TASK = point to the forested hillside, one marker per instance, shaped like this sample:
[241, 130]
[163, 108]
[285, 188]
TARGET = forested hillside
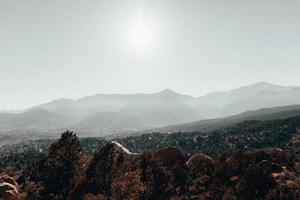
[248, 135]
[280, 112]
[252, 160]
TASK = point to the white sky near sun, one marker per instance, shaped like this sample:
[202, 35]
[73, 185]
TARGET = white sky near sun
[74, 48]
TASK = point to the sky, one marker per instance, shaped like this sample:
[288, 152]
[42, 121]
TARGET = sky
[74, 48]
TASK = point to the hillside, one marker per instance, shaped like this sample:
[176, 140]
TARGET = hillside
[214, 124]
[247, 135]
[39, 118]
[31, 125]
[220, 164]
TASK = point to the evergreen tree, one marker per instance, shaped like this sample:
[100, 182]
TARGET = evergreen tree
[57, 170]
[159, 184]
[99, 171]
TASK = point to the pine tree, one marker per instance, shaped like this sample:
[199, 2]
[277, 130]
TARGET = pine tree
[99, 171]
[57, 170]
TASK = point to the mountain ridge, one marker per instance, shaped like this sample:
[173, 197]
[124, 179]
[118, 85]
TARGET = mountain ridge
[108, 114]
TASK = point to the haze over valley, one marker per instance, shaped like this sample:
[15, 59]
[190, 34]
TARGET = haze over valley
[117, 114]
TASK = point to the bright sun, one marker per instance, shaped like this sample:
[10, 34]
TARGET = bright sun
[141, 34]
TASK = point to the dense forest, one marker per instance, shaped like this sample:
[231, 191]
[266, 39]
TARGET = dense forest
[253, 160]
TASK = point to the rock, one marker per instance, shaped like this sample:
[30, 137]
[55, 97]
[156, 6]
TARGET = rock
[266, 166]
[8, 179]
[169, 156]
[121, 155]
[231, 165]
[269, 167]
[286, 189]
[95, 197]
[200, 163]
[285, 174]
[8, 188]
[120, 148]
[234, 178]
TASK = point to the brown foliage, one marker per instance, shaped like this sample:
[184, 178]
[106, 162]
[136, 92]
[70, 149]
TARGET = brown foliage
[114, 173]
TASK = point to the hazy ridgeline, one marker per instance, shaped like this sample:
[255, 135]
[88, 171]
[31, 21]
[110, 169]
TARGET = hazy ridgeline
[127, 114]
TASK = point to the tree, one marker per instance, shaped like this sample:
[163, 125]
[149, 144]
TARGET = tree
[144, 167]
[57, 170]
[99, 171]
[179, 173]
[158, 184]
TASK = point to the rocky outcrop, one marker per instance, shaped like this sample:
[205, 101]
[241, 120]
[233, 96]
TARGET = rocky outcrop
[120, 148]
[288, 186]
[269, 167]
[8, 188]
[200, 163]
[169, 156]
[232, 166]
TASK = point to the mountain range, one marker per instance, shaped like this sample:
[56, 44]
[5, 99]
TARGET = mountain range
[105, 114]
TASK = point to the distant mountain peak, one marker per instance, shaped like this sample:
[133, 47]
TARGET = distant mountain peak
[167, 91]
[264, 85]
[260, 86]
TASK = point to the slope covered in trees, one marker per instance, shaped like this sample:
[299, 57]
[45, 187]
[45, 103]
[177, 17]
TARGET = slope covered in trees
[280, 112]
[252, 160]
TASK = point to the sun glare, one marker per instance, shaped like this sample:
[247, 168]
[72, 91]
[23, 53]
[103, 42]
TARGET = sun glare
[141, 34]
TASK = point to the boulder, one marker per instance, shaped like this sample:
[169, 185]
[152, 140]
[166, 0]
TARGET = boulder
[200, 163]
[169, 156]
[269, 167]
[8, 188]
[232, 166]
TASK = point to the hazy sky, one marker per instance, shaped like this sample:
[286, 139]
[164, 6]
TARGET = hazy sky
[72, 48]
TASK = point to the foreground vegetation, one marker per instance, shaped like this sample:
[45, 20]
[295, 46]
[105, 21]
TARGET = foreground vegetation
[252, 160]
